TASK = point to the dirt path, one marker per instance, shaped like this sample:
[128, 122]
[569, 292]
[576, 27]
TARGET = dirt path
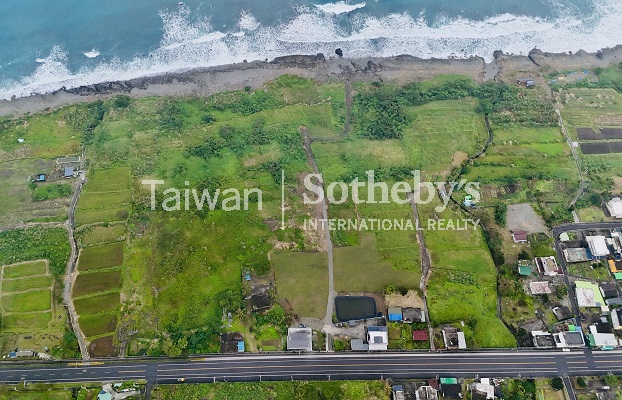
[328, 318]
[426, 268]
[577, 161]
[70, 273]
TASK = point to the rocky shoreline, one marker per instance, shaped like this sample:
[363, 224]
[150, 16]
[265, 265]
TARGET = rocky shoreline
[400, 69]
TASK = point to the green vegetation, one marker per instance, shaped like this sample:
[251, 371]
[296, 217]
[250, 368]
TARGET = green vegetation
[50, 191]
[104, 256]
[515, 389]
[347, 390]
[33, 244]
[25, 269]
[598, 270]
[96, 282]
[38, 300]
[302, 280]
[18, 285]
[97, 304]
[93, 325]
[401, 336]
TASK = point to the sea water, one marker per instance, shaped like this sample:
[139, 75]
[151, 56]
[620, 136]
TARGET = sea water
[67, 43]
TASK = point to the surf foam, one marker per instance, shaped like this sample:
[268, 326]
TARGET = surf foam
[340, 7]
[190, 42]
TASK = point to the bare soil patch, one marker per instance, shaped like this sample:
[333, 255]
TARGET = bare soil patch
[522, 216]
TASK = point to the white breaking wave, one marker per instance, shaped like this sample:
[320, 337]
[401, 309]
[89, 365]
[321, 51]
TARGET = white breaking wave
[340, 7]
[189, 42]
[93, 53]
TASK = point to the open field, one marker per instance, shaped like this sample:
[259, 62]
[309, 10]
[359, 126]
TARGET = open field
[97, 304]
[104, 256]
[93, 282]
[35, 244]
[22, 284]
[96, 235]
[25, 269]
[93, 325]
[27, 322]
[361, 269]
[302, 279]
[106, 196]
[346, 390]
[36, 300]
[463, 283]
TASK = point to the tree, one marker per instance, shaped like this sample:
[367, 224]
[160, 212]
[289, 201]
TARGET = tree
[557, 383]
[500, 213]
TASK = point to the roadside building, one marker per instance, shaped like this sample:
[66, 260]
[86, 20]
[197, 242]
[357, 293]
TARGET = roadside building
[519, 236]
[601, 340]
[598, 246]
[548, 266]
[426, 393]
[569, 339]
[377, 338]
[454, 339]
[482, 390]
[614, 206]
[588, 295]
[21, 354]
[576, 254]
[358, 345]
[615, 302]
[451, 389]
[398, 392]
[103, 395]
[542, 339]
[395, 314]
[299, 339]
[232, 342]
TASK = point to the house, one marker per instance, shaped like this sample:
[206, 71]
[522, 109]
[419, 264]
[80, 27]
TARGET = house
[569, 339]
[468, 201]
[548, 266]
[540, 287]
[616, 319]
[21, 353]
[526, 82]
[377, 338]
[232, 342]
[598, 246]
[601, 340]
[542, 339]
[68, 172]
[395, 313]
[562, 313]
[420, 336]
[519, 236]
[454, 339]
[482, 390]
[358, 345]
[299, 339]
[614, 206]
[410, 315]
[616, 301]
[575, 255]
[588, 295]
[398, 392]
[451, 389]
[39, 178]
[426, 393]
[609, 290]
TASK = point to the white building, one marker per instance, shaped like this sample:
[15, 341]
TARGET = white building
[598, 245]
[378, 338]
[615, 207]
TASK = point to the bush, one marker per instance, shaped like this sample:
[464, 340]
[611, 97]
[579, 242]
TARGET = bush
[380, 114]
[500, 213]
[557, 383]
[51, 192]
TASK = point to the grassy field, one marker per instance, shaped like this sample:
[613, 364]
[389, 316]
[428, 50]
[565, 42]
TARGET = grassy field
[106, 196]
[35, 244]
[585, 270]
[303, 280]
[346, 390]
[97, 304]
[36, 300]
[22, 284]
[94, 325]
[96, 235]
[99, 257]
[25, 269]
[362, 269]
[463, 284]
[89, 283]
[29, 322]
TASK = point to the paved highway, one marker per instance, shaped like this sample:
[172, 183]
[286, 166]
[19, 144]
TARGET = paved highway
[324, 366]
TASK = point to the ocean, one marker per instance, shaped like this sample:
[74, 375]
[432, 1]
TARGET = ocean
[47, 45]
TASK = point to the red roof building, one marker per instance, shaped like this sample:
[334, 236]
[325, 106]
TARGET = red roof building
[420, 336]
[519, 236]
